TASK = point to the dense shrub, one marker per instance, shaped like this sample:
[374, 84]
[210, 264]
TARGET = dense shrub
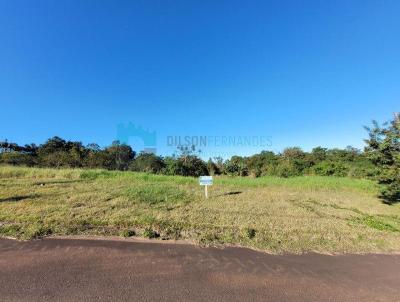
[147, 162]
[57, 152]
[286, 169]
[329, 168]
[190, 165]
[383, 149]
[97, 159]
[213, 168]
[262, 163]
[17, 159]
[236, 166]
[119, 156]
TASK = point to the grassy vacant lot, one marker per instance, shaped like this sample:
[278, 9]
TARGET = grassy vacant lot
[324, 214]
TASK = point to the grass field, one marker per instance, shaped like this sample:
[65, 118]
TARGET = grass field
[309, 213]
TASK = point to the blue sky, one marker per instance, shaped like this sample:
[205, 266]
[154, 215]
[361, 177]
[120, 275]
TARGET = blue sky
[302, 73]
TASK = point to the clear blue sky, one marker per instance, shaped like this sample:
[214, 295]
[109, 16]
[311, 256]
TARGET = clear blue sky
[304, 73]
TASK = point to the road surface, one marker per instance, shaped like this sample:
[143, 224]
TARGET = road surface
[112, 270]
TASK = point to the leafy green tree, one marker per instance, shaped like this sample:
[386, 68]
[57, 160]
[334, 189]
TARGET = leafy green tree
[76, 154]
[188, 166]
[56, 152]
[219, 165]
[262, 163]
[213, 168]
[147, 162]
[119, 156]
[17, 159]
[236, 166]
[383, 149]
[185, 163]
[52, 145]
[53, 153]
[56, 159]
[171, 165]
[318, 154]
[330, 168]
[293, 162]
[96, 157]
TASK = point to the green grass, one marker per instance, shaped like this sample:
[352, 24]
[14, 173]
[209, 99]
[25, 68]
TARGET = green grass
[384, 223]
[302, 182]
[300, 214]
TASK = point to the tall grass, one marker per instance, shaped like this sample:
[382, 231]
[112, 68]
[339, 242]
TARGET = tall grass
[36, 173]
[301, 182]
[308, 213]
[148, 177]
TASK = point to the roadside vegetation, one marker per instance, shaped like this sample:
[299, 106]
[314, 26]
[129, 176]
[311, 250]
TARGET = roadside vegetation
[380, 161]
[383, 149]
[58, 153]
[326, 200]
[298, 214]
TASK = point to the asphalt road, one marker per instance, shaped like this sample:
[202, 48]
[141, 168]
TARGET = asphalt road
[106, 270]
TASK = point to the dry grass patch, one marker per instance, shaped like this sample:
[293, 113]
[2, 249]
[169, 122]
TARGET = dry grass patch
[334, 215]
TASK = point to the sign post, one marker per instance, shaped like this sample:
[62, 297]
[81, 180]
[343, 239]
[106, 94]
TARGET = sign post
[206, 181]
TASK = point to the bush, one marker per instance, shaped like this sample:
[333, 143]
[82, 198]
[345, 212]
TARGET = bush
[147, 162]
[286, 169]
[250, 233]
[17, 159]
[213, 168]
[128, 233]
[120, 156]
[190, 165]
[57, 152]
[328, 168]
[383, 149]
[390, 181]
[149, 233]
[236, 166]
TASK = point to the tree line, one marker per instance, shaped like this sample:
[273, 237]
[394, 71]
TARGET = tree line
[380, 160]
[59, 153]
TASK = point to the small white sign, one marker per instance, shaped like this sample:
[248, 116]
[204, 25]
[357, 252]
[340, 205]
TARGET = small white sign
[206, 180]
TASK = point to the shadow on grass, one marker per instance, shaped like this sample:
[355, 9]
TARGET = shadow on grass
[55, 182]
[390, 200]
[18, 198]
[229, 193]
